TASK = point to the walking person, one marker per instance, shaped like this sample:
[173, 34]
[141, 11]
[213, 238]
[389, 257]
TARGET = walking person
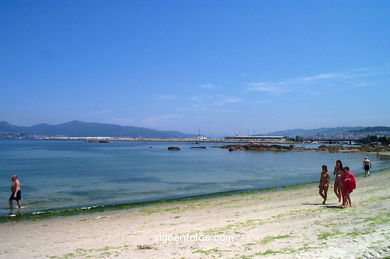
[16, 193]
[367, 166]
[338, 172]
[349, 184]
[324, 183]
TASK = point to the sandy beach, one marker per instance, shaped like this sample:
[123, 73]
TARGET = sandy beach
[284, 223]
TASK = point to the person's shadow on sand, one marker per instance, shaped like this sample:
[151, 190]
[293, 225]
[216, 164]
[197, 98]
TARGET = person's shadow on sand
[312, 204]
[333, 207]
[320, 204]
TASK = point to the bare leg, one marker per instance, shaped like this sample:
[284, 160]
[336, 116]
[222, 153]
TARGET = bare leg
[11, 205]
[19, 204]
[340, 193]
[321, 192]
[347, 200]
[337, 191]
[325, 194]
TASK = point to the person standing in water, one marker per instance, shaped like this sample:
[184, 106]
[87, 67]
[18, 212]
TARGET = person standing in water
[324, 183]
[16, 192]
[366, 166]
[338, 171]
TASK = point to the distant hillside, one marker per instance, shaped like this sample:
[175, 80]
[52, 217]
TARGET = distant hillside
[372, 130]
[313, 132]
[87, 129]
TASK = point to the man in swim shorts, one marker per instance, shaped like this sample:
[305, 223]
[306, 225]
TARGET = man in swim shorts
[16, 192]
[366, 166]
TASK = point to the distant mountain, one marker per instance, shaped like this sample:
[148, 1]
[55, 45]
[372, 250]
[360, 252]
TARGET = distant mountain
[88, 129]
[313, 132]
[5, 127]
[378, 129]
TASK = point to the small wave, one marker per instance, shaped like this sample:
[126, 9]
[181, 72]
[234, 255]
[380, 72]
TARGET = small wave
[37, 212]
[89, 208]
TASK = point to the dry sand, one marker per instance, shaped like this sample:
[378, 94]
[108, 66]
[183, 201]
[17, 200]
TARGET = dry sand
[286, 223]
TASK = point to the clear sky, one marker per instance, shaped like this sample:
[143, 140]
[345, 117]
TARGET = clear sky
[221, 67]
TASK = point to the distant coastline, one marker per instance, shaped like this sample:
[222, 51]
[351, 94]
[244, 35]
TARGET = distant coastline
[190, 140]
[93, 129]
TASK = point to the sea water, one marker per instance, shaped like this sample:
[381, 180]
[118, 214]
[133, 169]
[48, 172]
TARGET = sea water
[74, 174]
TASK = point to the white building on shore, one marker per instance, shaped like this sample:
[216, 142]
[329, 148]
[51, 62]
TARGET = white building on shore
[258, 138]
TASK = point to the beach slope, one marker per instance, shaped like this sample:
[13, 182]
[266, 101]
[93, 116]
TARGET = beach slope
[284, 223]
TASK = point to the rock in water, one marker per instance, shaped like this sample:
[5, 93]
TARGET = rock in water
[174, 148]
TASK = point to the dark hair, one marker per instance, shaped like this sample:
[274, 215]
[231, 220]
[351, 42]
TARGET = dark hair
[341, 163]
[346, 168]
[326, 168]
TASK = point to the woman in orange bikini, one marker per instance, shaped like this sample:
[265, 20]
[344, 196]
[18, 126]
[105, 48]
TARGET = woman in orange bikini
[324, 183]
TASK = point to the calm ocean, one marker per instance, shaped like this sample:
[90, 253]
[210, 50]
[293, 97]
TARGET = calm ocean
[67, 174]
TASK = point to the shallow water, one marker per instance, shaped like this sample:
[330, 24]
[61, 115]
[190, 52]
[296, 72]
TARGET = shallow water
[67, 174]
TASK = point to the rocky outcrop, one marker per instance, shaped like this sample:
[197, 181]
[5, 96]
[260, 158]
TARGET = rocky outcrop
[174, 148]
[330, 148]
[261, 147]
[375, 149]
[201, 147]
[285, 148]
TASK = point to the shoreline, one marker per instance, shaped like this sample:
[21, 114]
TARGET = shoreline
[287, 222]
[164, 140]
[92, 209]
[177, 140]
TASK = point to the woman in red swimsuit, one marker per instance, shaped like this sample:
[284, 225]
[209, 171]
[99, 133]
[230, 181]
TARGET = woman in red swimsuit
[349, 184]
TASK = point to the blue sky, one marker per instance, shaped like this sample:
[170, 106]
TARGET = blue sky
[222, 67]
